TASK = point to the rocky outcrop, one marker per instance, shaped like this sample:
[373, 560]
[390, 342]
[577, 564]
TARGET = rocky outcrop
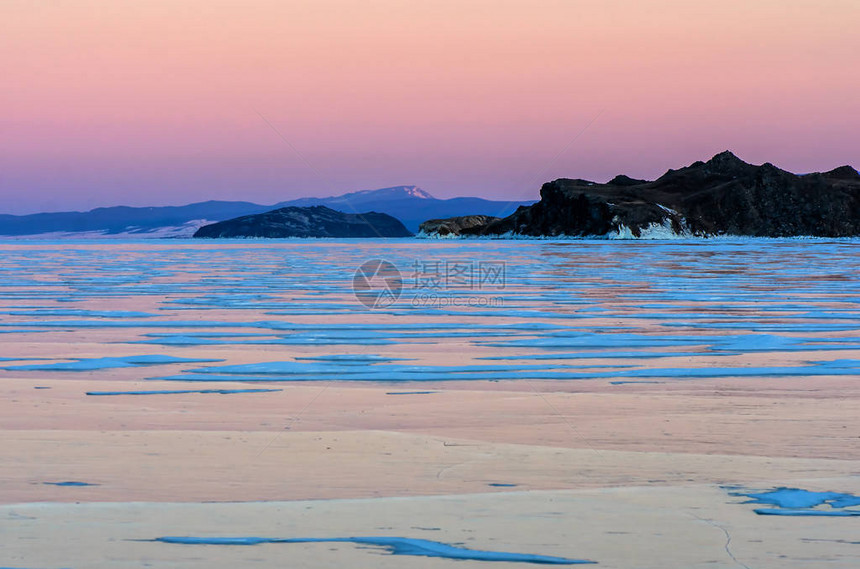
[455, 225]
[314, 221]
[723, 196]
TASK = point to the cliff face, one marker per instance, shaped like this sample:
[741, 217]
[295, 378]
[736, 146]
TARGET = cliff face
[315, 221]
[722, 196]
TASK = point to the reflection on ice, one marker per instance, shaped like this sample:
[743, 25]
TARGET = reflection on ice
[578, 310]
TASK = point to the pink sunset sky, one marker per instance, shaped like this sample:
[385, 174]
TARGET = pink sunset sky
[163, 102]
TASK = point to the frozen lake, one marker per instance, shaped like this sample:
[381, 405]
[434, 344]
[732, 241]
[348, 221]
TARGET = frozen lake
[450, 310]
[519, 401]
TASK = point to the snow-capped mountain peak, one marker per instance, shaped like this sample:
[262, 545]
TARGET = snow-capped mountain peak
[417, 192]
[392, 193]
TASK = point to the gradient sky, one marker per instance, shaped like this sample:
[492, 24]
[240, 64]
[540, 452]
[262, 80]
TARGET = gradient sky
[173, 101]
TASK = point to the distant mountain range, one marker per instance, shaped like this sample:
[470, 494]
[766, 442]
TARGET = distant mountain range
[410, 204]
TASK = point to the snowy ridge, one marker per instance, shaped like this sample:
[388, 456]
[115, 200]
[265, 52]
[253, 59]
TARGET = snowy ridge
[184, 231]
[388, 193]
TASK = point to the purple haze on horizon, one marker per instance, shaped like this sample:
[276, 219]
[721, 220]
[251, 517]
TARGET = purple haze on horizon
[175, 101]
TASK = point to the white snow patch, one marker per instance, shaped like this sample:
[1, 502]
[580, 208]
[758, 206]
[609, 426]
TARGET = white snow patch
[417, 192]
[654, 231]
[425, 235]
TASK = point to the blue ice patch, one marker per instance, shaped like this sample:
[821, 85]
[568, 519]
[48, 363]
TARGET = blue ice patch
[91, 364]
[394, 545]
[799, 502]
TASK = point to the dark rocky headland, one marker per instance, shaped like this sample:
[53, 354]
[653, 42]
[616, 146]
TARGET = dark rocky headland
[314, 221]
[723, 196]
[456, 225]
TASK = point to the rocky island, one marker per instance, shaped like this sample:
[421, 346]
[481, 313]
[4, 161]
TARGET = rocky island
[723, 196]
[314, 221]
[456, 225]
